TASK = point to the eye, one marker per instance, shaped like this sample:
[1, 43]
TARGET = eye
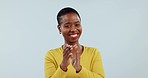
[77, 25]
[67, 26]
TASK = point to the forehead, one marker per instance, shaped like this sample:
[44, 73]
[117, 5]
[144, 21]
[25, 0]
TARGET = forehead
[69, 18]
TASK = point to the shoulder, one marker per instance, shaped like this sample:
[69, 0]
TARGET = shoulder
[53, 52]
[91, 49]
[92, 52]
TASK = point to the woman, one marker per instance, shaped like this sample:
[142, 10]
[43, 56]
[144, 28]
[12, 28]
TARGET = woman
[72, 60]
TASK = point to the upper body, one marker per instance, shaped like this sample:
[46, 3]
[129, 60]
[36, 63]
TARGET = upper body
[72, 60]
[90, 61]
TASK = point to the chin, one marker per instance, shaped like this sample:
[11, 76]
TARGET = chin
[73, 41]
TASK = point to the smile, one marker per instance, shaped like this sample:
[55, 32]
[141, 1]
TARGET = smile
[73, 35]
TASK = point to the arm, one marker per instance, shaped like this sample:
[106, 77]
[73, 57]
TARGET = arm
[97, 68]
[51, 69]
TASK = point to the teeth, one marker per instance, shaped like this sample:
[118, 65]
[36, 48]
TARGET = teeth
[74, 35]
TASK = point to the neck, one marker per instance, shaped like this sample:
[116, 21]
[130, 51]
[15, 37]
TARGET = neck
[72, 43]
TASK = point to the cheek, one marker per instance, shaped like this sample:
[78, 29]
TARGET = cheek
[64, 32]
[80, 29]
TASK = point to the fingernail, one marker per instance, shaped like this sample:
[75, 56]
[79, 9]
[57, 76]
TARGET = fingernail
[71, 48]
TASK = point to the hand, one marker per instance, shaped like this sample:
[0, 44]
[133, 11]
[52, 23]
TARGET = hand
[76, 58]
[67, 54]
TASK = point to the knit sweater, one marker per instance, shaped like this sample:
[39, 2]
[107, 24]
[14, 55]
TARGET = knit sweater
[90, 60]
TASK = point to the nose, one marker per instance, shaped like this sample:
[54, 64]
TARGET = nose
[73, 28]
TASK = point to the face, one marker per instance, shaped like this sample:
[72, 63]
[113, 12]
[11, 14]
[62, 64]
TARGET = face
[70, 27]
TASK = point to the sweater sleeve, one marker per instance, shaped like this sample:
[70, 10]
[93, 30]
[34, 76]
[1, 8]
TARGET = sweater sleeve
[97, 68]
[51, 70]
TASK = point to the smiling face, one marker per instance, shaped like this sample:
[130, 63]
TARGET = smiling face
[70, 27]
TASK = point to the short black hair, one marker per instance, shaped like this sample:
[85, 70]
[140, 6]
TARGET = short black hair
[64, 11]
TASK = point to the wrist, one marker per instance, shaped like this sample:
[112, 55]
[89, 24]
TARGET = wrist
[63, 67]
[78, 69]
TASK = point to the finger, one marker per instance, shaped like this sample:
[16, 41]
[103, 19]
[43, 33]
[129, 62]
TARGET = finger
[70, 55]
[65, 45]
[74, 62]
[75, 47]
[66, 48]
[77, 59]
[67, 57]
[67, 53]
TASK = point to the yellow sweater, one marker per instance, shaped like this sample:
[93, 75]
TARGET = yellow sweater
[90, 60]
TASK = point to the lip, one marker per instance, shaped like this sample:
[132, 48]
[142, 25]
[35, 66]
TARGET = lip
[73, 36]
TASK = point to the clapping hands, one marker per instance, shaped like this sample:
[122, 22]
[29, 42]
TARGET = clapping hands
[71, 53]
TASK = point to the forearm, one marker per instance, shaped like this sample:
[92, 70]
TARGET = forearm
[84, 73]
[59, 73]
[52, 70]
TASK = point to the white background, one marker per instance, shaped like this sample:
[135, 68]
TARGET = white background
[118, 28]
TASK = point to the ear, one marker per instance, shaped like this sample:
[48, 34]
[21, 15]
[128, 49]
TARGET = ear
[59, 28]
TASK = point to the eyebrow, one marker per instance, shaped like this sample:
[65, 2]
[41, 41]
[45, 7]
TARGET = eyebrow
[77, 22]
[74, 22]
[67, 23]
